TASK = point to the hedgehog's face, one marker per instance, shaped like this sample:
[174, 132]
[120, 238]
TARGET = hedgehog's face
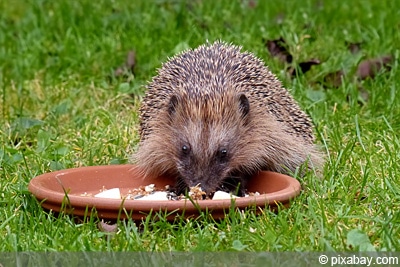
[206, 134]
[205, 169]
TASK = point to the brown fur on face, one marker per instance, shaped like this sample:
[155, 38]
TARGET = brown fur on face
[216, 116]
[208, 129]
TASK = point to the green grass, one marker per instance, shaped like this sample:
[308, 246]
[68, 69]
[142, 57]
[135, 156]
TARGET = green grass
[61, 108]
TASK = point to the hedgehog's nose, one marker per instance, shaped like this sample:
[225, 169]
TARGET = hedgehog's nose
[210, 195]
[203, 189]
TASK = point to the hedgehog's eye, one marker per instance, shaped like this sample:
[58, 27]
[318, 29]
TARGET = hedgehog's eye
[223, 153]
[185, 149]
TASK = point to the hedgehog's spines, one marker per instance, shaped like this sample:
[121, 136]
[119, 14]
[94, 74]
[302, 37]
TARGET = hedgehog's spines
[217, 96]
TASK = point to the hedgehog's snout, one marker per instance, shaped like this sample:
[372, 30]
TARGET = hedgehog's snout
[209, 182]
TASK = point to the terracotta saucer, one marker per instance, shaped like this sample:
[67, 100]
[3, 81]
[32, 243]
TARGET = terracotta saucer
[72, 190]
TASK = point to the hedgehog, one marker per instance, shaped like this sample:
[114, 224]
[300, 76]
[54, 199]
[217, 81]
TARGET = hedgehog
[215, 116]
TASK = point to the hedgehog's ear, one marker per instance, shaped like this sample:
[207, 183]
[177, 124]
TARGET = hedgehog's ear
[173, 103]
[244, 104]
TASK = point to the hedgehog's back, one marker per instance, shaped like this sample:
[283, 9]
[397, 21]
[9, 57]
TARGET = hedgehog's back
[209, 69]
[212, 68]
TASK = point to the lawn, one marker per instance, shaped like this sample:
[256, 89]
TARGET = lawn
[63, 105]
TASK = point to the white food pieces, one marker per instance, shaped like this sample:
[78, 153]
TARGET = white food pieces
[111, 193]
[149, 192]
[149, 188]
[223, 195]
